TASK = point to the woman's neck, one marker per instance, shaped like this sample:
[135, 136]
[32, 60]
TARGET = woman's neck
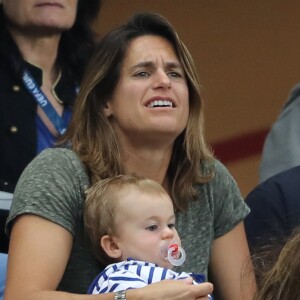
[39, 51]
[151, 163]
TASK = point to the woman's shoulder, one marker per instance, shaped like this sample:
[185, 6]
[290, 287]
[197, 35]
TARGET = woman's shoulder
[57, 156]
[54, 163]
[223, 198]
[216, 168]
[222, 189]
[52, 186]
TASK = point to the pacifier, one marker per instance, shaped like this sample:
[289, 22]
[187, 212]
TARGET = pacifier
[171, 251]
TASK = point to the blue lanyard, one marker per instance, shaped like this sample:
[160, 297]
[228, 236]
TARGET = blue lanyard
[42, 100]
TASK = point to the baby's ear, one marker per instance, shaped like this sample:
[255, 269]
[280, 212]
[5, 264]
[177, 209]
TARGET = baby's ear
[110, 246]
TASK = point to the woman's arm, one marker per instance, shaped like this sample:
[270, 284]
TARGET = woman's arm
[231, 266]
[38, 254]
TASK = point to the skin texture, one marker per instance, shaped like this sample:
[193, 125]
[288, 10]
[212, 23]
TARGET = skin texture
[26, 15]
[232, 274]
[151, 71]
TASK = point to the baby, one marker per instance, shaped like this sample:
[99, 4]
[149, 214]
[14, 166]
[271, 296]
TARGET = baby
[130, 221]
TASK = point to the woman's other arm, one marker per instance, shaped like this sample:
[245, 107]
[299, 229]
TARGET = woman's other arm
[38, 254]
[231, 266]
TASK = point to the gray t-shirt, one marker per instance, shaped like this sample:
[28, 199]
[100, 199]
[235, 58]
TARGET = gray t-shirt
[53, 185]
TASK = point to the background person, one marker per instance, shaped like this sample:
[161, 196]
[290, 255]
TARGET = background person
[281, 149]
[52, 43]
[139, 111]
[281, 279]
[275, 215]
[275, 209]
[130, 221]
[3, 266]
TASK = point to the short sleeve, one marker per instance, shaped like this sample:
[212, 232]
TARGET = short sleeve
[52, 187]
[227, 203]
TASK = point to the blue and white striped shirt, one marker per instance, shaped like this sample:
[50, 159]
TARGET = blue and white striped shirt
[132, 274]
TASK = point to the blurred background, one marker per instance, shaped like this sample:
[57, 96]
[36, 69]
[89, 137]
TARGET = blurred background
[248, 58]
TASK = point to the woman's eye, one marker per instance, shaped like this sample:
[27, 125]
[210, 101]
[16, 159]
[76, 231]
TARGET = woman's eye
[142, 74]
[175, 74]
[152, 227]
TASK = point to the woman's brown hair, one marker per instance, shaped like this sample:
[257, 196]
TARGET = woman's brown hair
[92, 137]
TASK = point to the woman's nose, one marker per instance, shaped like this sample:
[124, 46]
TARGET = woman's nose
[161, 80]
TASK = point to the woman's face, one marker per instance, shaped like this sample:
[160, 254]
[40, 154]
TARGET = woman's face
[151, 101]
[57, 15]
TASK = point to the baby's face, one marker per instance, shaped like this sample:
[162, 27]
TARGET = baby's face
[144, 222]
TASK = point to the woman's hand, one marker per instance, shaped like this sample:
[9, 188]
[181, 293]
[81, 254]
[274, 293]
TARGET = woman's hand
[172, 290]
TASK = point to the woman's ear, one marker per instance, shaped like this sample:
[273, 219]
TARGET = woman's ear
[107, 109]
[110, 246]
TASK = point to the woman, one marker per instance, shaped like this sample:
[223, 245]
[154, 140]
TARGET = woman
[138, 111]
[51, 41]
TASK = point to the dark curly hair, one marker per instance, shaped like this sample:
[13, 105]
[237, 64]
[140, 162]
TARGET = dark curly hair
[75, 48]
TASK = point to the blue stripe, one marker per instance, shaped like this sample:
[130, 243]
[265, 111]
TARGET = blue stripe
[105, 277]
[115, 267]
[125, 278]
[150, 277]
[94, 284]
[164, 274]
[104, 290]
[138, 270]
[114, 286]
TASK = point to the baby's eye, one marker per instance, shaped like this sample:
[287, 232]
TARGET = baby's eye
[171, 225]
[152, 227]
